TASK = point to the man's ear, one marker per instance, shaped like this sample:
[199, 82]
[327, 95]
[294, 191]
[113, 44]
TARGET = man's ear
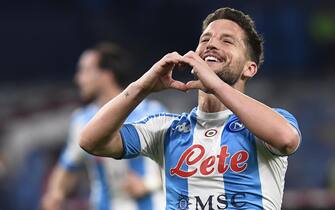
[250, 69]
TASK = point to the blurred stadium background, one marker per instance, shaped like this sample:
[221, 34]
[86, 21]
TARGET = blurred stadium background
[41, 41]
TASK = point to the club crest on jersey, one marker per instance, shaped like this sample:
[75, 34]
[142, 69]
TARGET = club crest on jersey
[235, 126]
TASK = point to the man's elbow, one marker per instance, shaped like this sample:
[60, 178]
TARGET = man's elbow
[290, 142]
[86, 144]
[101, 147]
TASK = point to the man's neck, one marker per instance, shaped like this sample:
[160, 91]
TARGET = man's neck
[210, 103]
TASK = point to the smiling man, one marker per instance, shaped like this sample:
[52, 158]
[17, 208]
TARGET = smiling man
[230, 152]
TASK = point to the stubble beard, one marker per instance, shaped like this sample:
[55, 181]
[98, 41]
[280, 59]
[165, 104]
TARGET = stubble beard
[228, 75]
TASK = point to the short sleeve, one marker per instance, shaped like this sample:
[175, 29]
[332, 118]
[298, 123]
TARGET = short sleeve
[146, 137]
[292, 120]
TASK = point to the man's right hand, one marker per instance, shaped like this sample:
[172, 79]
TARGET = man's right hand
[159, 77]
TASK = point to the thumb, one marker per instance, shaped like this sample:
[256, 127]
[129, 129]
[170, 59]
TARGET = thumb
[195, 84]
[178, 85]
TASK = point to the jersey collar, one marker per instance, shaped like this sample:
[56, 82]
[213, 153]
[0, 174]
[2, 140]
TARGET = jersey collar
[209, 116]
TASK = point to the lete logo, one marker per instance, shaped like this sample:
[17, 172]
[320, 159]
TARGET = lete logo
[195, 154]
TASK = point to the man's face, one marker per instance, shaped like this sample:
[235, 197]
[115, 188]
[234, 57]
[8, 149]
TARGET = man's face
[88, 75]
[222, 46]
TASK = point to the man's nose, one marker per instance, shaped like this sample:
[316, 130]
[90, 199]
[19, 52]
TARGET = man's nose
[212, 44]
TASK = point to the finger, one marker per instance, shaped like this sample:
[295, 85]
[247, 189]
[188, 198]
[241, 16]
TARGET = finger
[168, 62]
[172, 58]
[188, 57]
[193, 55]
[195, 66]
[189, 53]
[193, 59]
[174, 54]
[178, 85]
[189, 61]
[195, 84]
[182, 65]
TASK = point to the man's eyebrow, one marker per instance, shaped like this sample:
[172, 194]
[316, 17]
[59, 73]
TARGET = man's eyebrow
[228, 36]
[233, 38]
[222, 36]
[206, 34]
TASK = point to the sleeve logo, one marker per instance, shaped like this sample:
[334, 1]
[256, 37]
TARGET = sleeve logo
[183, 128]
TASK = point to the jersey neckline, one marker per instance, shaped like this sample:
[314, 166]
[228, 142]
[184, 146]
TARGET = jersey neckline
[222, 115]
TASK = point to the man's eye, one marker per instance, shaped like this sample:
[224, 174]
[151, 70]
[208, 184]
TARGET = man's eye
[227, 41]
[204, 40]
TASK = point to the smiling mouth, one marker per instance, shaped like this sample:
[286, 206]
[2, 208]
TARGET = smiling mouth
[212, 59]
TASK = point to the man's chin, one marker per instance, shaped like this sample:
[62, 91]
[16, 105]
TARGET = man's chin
[216, 67]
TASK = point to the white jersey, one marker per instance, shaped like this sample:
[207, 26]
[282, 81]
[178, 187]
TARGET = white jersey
[107, 174]
[210, 160]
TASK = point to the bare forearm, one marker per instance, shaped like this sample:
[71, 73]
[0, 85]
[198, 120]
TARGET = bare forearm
[101, 135]
[260, 119]
[61, 183]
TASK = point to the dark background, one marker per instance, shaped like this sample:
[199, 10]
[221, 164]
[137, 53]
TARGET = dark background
[41, 40]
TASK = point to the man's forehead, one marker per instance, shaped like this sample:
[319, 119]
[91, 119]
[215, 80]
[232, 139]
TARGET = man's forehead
[224, 26]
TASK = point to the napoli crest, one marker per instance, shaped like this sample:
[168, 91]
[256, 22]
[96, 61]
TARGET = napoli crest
[236, 126]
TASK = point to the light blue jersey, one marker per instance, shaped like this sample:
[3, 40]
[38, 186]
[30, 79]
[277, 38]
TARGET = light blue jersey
[106, 174]
[210, 160]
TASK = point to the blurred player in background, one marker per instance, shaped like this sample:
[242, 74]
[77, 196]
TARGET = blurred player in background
[231, 151]
[115, 184]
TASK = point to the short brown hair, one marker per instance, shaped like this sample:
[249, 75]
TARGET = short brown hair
[254, 40]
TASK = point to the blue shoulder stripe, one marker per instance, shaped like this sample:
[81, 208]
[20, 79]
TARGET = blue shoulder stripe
[131, 141]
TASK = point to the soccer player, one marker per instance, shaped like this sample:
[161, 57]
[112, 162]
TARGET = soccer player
[115, 184]
[230, 152]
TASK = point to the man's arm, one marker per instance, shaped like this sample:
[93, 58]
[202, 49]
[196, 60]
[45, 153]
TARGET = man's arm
[61, 183]
[260, 119]
[101, 135]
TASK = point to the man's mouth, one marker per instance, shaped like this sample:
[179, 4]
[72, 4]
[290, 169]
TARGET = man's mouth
[212, 58]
